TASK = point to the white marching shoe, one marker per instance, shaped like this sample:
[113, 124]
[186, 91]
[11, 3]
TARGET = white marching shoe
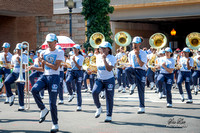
[79, 108]
[43, 114]
[195, 90]
[151, 85]
[12, 99]
[189, 101]
[123, 90]
[7, 100]
[108, 119]
[132, 88]
[141, 110]
[71, 97]
[169, 105]
[182, 97]
[21, 108]
[54, 128]
[60, 102]
[160, 95]
[98, 112]
[120, 89]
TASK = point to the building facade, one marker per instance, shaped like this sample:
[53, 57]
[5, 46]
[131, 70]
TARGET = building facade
[19, 20]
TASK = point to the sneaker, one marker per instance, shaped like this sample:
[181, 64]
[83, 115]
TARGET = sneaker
[102, 95]
[157, 90]
[120, 89]
[151, 85]
[163, 96]
[108, 119]
[132, 89]
[85, 90]
[191, 87]
[42, 97]
[189, 101]
[43, 114]
[7, 100]
[21, 108]
[60, 102]
[98, 112]
[123, 90]
[54, 128]
[12, 99]
[71, 97]
[182, 97]
[160, 94]
[195, 90]
[79, 108]
[169, 105]
[141, 110]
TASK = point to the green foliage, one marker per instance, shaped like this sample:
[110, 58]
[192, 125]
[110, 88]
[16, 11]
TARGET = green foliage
[96, 14]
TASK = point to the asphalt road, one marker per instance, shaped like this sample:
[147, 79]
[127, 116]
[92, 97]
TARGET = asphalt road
[182, 118]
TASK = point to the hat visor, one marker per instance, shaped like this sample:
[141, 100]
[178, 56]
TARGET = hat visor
[50, 40]
[5, 47]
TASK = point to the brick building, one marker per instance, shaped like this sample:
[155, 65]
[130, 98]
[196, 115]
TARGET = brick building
[19, 21]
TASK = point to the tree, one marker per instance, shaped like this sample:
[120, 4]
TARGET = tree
[96, 14]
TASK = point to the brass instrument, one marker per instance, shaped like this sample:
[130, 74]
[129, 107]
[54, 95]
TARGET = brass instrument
[66, 64]
[96, 39]
[21, 79]
[158, 40]
[152, 63]
[90, 64]
[123, 62]
[122, 38]
[193, 40]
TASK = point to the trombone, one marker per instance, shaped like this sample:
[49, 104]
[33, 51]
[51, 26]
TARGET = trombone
[21, 79]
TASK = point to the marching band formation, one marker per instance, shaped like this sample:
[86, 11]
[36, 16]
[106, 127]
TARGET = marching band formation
[159, 68]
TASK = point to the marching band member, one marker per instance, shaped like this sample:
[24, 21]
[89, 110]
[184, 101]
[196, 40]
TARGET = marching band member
[61, 69]
[76, 74]
[71, 53]
[36, 73]
[167, 65]
[138, 60]
[186, 64]
[158, 60]
[151, 63]
[51, 59]
[196, 73]
[105, 62]
[5, 57]
[90, 76]
[121, 72]
[12, 77]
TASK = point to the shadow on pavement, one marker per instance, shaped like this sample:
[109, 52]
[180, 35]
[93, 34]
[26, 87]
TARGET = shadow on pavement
[137, 124]
[27, 131]
[14, 120]
[173, 115]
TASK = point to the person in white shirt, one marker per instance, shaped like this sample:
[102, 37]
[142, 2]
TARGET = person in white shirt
[5, 58]
[76, 74]
[12, 77]
[196, 73]
[61, 69]
[186, 64]
[36, 73]
[105, 62]
[136, 73]
[51, 59]
[121, 78]
[151, 58]
[161, 54]
[166, 65]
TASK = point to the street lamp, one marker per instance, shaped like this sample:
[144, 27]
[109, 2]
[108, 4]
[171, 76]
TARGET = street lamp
[173, 33]
[70, 5]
